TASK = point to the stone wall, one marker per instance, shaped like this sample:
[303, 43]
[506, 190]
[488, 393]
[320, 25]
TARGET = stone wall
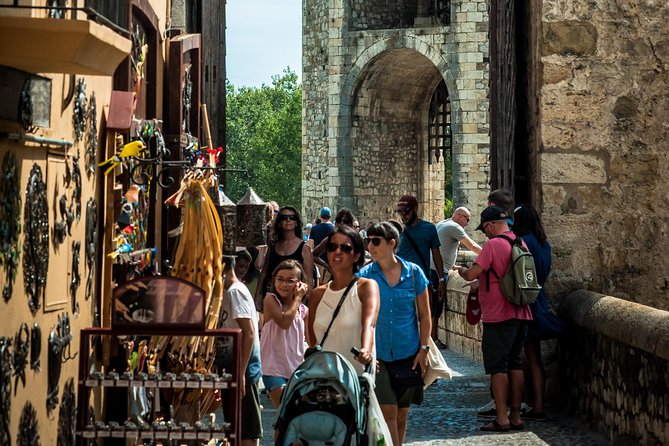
[615, 366]
[382, 14]
[454, 330]
[605, 109]
[366, 95]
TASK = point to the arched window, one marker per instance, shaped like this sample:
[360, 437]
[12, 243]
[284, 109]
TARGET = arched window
[439, 125]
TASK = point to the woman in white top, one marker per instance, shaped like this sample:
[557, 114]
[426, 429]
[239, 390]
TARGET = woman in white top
[354, 325]
[283, 335]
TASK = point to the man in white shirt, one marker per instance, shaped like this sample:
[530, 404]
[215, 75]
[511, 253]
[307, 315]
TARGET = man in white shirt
[451, 233]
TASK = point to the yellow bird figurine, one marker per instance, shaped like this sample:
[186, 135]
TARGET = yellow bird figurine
[133, 148]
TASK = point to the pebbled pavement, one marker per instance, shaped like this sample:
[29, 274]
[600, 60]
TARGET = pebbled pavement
[448, 416]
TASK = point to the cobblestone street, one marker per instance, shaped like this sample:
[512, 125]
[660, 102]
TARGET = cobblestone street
[448, 416]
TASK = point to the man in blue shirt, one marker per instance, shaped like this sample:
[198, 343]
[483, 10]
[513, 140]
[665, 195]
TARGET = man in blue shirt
[418, 240]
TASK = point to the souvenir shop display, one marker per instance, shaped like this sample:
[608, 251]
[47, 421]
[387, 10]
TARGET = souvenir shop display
[35, 347]
[91, 136]
[21, 349]
[10, 222]
[28, 434]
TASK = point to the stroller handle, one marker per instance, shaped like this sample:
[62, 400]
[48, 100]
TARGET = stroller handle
[356, 352]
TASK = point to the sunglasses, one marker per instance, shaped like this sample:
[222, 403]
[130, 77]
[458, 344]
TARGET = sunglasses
[291, 217]
[406, 212]
[376, 241]
[345, 247]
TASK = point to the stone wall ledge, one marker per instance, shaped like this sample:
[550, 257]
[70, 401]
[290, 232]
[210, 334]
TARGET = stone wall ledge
[637, 325]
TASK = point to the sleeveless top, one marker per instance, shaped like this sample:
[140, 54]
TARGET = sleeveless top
[282, 351]
[346, 328]
[274, 259]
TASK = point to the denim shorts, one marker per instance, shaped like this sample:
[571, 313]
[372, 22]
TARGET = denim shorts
[274, 382]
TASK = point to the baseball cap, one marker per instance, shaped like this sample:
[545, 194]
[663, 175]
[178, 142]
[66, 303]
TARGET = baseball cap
[491, 213]
[326, 212]
[406, 202]
[308, 226]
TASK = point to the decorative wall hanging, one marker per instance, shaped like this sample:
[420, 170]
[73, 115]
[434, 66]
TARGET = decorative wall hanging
[20, 355]
[59, 341]
[76, 277]
[35, 347]
[10, 222]
[91, 136]
[28, 429]
[67, 416]
[61, 228]
[5, 390]
[186, 93]
[36, 240]
[91, 243]
[76, 192]
[79, 114]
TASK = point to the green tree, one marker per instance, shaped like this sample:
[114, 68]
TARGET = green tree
[264, 136]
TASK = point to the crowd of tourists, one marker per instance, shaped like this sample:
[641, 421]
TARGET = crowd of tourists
[375, 294]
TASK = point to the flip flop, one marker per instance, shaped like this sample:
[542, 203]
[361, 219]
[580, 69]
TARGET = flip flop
[517, 427]
[494, 426]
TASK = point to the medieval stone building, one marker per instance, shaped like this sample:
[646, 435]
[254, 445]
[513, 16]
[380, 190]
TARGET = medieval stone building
[390, 89]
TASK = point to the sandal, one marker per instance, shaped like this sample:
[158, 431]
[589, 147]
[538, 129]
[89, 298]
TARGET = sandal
[494, 426]
[517, 427]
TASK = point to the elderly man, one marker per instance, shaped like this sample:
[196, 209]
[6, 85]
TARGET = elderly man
[504, 324]
[451, 234]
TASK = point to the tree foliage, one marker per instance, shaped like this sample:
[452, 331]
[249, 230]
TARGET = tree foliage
[264, 136]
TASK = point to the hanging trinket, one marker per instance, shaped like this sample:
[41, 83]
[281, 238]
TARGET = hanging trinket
[28, 430]
[76, 192]
[91, 242]
[60, 229]
[20, 355]
[59, 341]
[10, 222]
[67, 416]
[5, 389]
[35, 347]
[91, 136]
[79, 114]
[76, 277]
[36, 240]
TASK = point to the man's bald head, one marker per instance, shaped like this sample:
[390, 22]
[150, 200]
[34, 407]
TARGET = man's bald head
[461, 216]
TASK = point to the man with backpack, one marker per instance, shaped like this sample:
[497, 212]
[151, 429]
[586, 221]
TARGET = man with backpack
[504, 323]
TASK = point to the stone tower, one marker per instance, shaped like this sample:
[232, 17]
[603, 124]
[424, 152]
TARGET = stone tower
[388, 88]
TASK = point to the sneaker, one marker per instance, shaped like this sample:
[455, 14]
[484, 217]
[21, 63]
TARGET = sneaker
[534, 415]
[489, 410]
[524, 408]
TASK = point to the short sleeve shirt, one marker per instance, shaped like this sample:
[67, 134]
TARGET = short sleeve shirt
[238, 304]
[397, 335]
[426, 238]
[496, 254]
[450, 233]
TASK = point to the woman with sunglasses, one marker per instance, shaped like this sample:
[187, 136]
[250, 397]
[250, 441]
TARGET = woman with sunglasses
[286, 244]
[283, 334]
[403, 327]
[354, 325]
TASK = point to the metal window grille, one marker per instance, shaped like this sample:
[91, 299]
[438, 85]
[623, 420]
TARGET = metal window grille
[440, 9]
[439, 124]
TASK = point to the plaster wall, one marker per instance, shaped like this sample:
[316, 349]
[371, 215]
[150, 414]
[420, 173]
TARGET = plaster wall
[605, 110]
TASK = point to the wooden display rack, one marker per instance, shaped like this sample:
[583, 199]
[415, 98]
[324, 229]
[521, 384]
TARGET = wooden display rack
[227, 384]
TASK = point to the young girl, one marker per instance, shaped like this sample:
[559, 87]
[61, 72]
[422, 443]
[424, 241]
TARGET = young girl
[282, 340]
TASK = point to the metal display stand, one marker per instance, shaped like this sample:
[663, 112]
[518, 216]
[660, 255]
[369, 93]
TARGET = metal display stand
[193, 431]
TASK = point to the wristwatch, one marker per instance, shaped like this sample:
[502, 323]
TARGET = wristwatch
[425, 347]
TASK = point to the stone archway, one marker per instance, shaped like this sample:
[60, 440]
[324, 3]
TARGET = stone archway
[383, 129]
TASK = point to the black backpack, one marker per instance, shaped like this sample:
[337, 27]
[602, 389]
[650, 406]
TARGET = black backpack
[519, 283]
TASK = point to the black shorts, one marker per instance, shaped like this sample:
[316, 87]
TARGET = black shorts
[502, 345]
[387, 393]
[251, 421]
[436, 302]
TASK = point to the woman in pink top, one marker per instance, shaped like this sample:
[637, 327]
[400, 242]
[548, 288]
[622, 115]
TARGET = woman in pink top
[282, 339]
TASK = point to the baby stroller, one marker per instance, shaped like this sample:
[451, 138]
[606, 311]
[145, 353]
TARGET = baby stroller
[324, 403]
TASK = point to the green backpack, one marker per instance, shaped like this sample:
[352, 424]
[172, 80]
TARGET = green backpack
[519, 283]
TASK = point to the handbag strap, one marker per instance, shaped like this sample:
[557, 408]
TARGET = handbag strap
[336, 311]
[414, 245]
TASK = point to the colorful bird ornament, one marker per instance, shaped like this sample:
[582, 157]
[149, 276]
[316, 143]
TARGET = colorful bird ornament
[133, 148]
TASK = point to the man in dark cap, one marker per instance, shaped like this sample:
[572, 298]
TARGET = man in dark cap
[418, 240]
[504, 324]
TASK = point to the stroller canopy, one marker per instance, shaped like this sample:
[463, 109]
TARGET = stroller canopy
[321, 369]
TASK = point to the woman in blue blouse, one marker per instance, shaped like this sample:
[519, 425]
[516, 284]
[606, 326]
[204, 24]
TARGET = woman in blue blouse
[402, 329]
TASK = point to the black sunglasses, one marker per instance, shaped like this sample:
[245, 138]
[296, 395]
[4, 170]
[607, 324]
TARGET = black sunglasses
[292, 217]
[376, 241]
[345, 247]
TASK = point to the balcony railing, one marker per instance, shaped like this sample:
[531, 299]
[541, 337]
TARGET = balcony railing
[113, 14]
